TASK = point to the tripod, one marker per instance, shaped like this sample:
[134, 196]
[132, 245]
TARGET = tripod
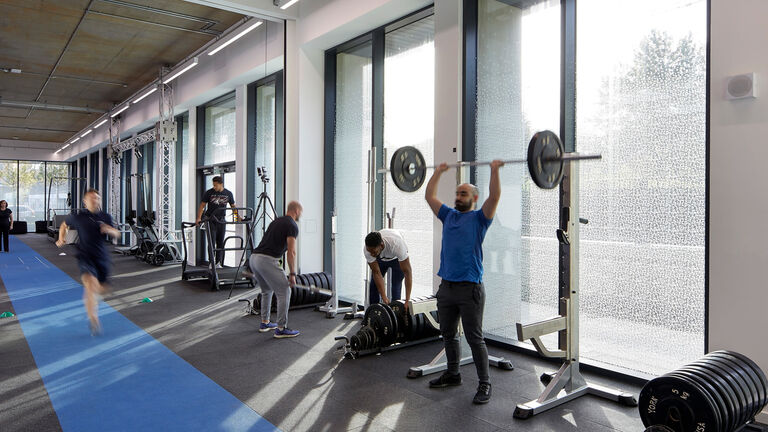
[264, 201]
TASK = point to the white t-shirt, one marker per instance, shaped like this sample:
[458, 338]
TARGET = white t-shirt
[394, 247]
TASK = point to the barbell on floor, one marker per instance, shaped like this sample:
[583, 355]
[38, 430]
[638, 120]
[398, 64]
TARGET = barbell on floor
[546, 156]
[314, 289]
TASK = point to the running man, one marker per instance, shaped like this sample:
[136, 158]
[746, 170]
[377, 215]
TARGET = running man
[92, 225]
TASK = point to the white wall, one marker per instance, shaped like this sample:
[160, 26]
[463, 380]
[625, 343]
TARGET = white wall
[738, 295]
[28, 150]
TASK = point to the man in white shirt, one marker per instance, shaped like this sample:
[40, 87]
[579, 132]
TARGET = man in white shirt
[386, 250]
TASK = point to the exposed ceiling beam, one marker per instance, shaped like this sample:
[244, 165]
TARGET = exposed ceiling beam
[89, 80]
[263, 9]
[36, 129]
[208, 22]
[48, 107]
[203, 31]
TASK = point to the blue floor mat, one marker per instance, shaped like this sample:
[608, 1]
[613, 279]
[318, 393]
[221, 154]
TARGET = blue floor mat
[124, 380]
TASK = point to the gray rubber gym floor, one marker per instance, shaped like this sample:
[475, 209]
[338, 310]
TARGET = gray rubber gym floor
[299, 384]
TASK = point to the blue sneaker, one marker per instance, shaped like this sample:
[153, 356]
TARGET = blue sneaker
[286, 333]
[267, 327]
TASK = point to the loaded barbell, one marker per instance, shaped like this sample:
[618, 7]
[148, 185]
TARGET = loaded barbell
[546, 156]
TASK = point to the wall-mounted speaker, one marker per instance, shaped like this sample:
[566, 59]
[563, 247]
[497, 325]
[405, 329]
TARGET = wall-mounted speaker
[741, 86]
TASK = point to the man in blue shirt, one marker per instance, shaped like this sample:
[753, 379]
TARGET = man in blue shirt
[461, 293]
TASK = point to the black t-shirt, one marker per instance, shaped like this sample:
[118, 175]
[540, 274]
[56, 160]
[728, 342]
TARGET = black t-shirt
[5, 218]
[88, 225]
[217, 200]
[274, 243]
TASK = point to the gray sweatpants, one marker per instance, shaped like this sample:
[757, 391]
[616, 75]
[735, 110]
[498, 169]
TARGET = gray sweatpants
[271, 279]
[465, 300]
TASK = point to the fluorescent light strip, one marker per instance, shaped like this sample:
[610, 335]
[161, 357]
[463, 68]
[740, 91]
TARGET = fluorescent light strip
[119, 111]
[176, 75]
[74, 140]
[65, 146]
[289, 4]
[241, 34]
[100, 123]
[154, 89]
[86, 133]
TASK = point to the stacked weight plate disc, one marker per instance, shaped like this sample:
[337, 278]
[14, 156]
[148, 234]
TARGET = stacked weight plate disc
[719, 392]
[300, 296]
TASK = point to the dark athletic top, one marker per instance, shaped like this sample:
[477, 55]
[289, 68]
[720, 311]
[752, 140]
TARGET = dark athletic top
[275, 240]
[5, 218]
[216, 200]
[90, 241]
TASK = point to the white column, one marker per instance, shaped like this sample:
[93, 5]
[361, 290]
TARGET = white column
[190, 213]
[448, 81]
[241, 156]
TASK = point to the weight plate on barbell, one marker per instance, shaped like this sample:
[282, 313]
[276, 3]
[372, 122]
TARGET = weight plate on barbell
[408, 168]
[736, 369]
[721, 392]
[733, 383]
[544, 147]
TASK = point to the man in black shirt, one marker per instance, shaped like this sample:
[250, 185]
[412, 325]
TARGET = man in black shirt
[279, 238]
[92, 257]
[215, 198]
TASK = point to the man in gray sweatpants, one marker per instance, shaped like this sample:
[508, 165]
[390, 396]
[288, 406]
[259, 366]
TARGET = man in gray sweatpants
[279, 239]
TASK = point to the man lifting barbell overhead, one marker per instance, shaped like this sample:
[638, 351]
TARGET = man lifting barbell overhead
[386, 249]
[461, 293]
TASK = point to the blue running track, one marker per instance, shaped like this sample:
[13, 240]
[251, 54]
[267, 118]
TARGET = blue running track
[124, 380]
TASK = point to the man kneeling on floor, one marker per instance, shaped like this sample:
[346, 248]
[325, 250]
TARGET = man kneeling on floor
[279, 238]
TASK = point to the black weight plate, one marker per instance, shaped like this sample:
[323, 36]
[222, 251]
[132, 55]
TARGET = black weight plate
[758, 394]
[301, 292]
[733, 382]
[545, 145]
[381, 322]
[395, 326]
[327, 285]
[703, 380]
[757, 370]
[398, 307]
[408, 168]
[318, 284]
[736, 369]
[329, 279]
[675, 401]
[731, 411]
[421, 325]
[309, 281]
[707, 393]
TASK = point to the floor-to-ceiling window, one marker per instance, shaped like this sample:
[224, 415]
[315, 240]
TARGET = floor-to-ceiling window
[182, 171]
[642, 104]
[382, 88]
[31, 204]
[266, 143]
[638, 97]
[9, 180]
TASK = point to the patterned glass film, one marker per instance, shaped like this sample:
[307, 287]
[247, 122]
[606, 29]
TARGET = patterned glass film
[353, 129]
[265, 152]
[220, 131]
[518, 93]
[31, 205]
[641, 103]
[409, 120]
[9, 170]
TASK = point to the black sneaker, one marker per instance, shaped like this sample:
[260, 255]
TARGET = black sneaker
[445, 380]
[483, 394]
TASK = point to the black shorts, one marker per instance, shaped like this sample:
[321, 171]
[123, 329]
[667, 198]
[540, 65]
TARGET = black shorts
[99, 268]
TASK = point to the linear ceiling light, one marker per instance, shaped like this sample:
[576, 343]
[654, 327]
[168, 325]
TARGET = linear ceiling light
[289, 4]
[74, 140]
[86, 133]
[65, 146]
[154, 89]
[239, 35]
[192, 64]
[113, 115]
[100, 123]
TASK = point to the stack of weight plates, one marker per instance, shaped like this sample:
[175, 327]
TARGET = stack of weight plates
[303, 297]
[722, 391]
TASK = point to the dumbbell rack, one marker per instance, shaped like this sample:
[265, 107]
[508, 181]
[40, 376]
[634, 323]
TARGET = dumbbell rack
[567, 383]
[440, 362]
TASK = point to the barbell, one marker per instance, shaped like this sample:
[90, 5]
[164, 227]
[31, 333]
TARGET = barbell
[546, 157]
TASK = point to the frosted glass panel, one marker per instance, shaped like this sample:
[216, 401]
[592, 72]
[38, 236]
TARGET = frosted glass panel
[518, 93]
[641, 103]
[353, 140]
[59, 188]
[409, 120]
[220, 132]
[31, 193]
[265, 149]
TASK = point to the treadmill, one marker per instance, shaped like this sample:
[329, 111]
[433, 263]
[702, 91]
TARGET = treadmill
[227, 276]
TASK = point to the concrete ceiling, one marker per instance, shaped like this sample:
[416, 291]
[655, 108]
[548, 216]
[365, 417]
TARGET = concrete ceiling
[65, 62]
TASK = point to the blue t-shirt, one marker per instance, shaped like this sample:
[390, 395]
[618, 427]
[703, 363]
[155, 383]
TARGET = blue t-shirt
[461, 258]
[90, 242]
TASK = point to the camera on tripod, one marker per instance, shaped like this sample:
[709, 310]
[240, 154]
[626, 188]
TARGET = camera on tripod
[262, 173]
